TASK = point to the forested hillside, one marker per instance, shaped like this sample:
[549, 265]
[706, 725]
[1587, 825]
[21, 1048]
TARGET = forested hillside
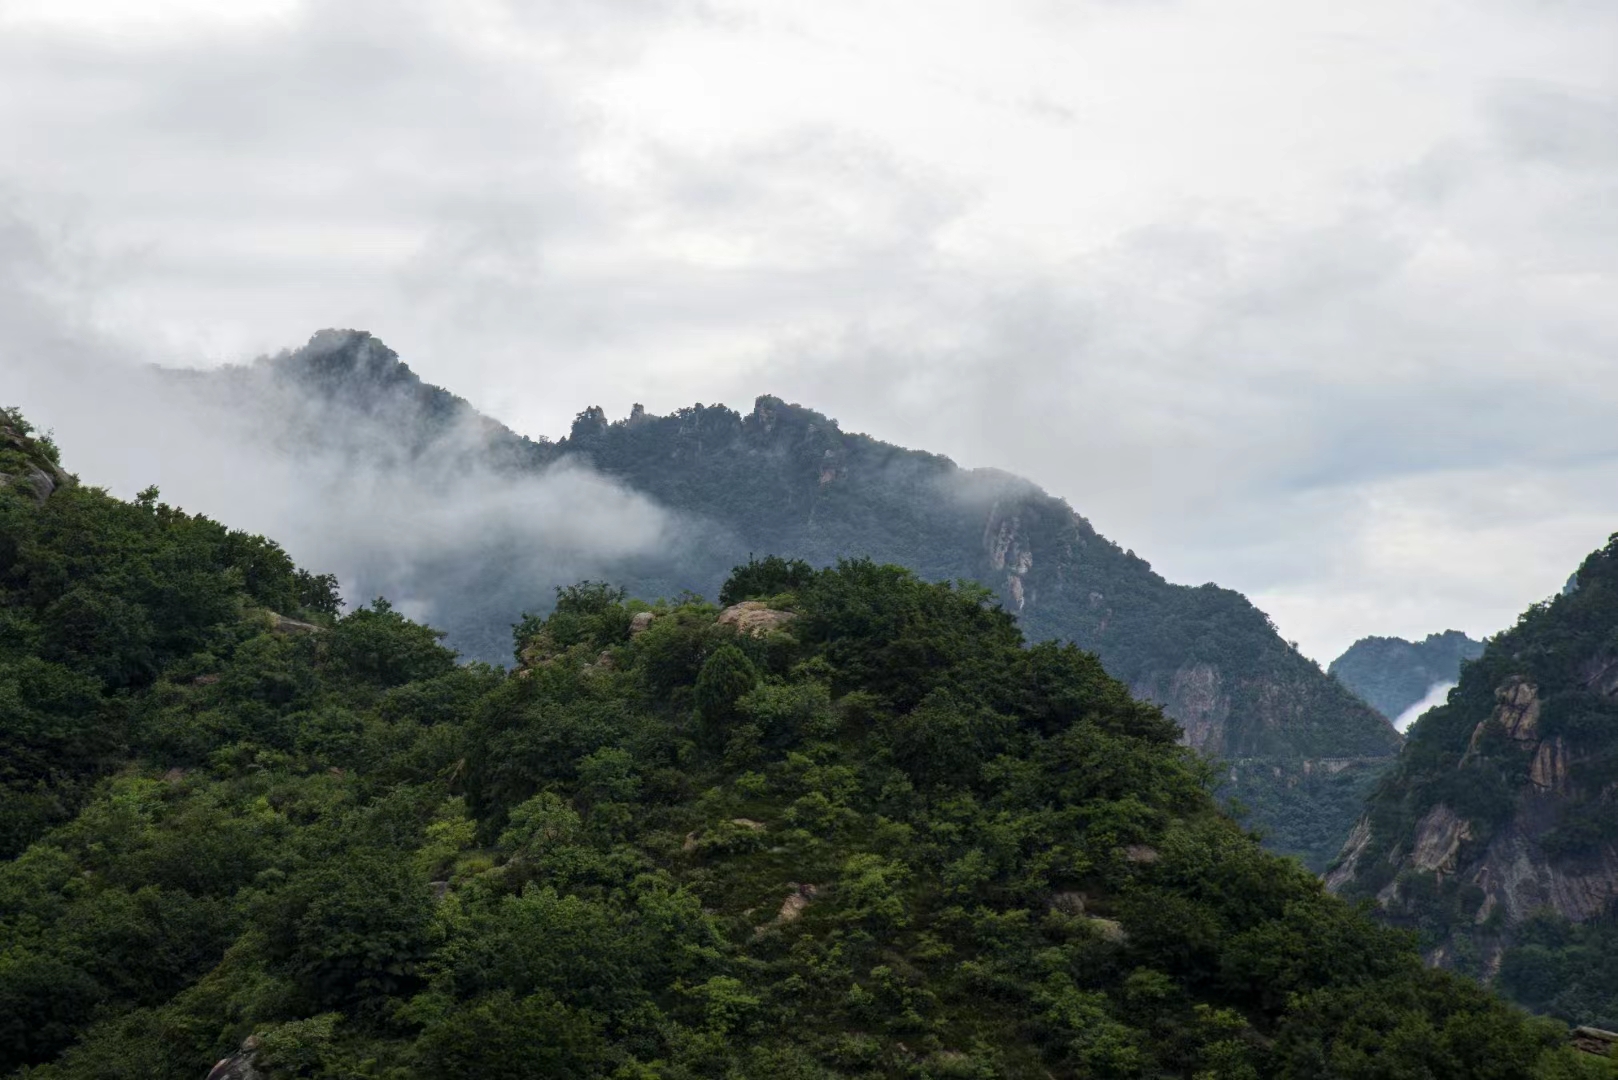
[1497, 835]
[851, 825]
[1391, 674]
[1300, 750]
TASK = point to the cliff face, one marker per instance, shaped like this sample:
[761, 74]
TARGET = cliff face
[786, 480]
[1391, 674]
[1504, 806]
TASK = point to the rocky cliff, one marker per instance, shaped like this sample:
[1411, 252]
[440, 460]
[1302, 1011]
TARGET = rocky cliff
[28, 460]
[1391, 674]
[1503, 810]
[1301, 750]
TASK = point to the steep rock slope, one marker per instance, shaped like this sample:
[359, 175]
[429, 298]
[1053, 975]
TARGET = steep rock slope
[1391, 674]
[1300, 749]
[1498, 830]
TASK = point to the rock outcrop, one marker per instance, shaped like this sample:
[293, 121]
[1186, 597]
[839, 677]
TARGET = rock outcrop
[1194, 695]
[754, 618]
[1596, 1041]
[29, 463]
[240, 1065]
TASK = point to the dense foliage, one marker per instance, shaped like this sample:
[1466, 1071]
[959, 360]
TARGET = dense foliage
[98, 598]
[1564, 969]
[1391, 674]
[884, 838]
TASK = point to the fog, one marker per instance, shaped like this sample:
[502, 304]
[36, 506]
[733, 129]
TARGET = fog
[362, 495]
[1436, 696]
[1317, 301]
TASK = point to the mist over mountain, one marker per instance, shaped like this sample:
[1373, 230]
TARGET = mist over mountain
[1393, 675]
[432, 501]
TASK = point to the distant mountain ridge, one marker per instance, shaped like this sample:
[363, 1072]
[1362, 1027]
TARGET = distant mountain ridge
[1391, 674]
[1301, 750]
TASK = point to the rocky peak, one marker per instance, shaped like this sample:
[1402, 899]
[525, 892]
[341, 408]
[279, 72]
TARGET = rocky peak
[27, 462]
[352, 361]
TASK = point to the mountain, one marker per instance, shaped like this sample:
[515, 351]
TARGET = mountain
[1391, 674]
[1299, 750]
[851, 826]
[1496, 836]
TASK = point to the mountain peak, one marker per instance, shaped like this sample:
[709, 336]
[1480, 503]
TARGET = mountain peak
[352, 360]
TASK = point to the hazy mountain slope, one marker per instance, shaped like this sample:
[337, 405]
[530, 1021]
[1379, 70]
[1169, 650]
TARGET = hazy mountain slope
[1498, 830]
[852, 828]
[783, 479]
[1391, 674]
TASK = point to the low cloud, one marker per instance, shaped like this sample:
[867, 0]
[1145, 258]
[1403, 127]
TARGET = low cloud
[1316, 305]
[365, 495]
[1437, 694]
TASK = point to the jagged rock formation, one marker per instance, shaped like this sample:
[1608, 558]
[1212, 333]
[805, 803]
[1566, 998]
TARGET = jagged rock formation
[1504, 806]
[240, 1065]
[1302, 750]
[754, 618]
[27, 461]
[1391, 674]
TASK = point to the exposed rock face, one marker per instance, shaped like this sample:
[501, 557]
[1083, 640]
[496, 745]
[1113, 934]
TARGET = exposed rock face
[793, 906]
[1439, 837]
[1596, 1041]
[1194, 695]
[26, 462]
[280, 624]
[1009, 551]
[239, 1066]
[1518, 713]
[1517, 874]
[754, 618]
[1549, 772]
[640, 623]
[1348, 863]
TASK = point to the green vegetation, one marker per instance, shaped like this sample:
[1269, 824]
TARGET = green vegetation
[98, 600]
[885, 838]
[1563, 969]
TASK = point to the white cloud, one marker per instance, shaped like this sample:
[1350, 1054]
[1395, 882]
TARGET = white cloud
[1315, 300]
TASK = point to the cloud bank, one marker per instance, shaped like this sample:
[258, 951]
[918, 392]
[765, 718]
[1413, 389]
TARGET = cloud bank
[356, 494]
[1317, 301]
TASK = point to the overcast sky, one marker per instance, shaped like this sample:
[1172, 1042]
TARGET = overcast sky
[1314, 299]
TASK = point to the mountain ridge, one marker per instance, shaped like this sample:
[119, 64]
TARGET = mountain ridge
[786, 479]
[1391, 674]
